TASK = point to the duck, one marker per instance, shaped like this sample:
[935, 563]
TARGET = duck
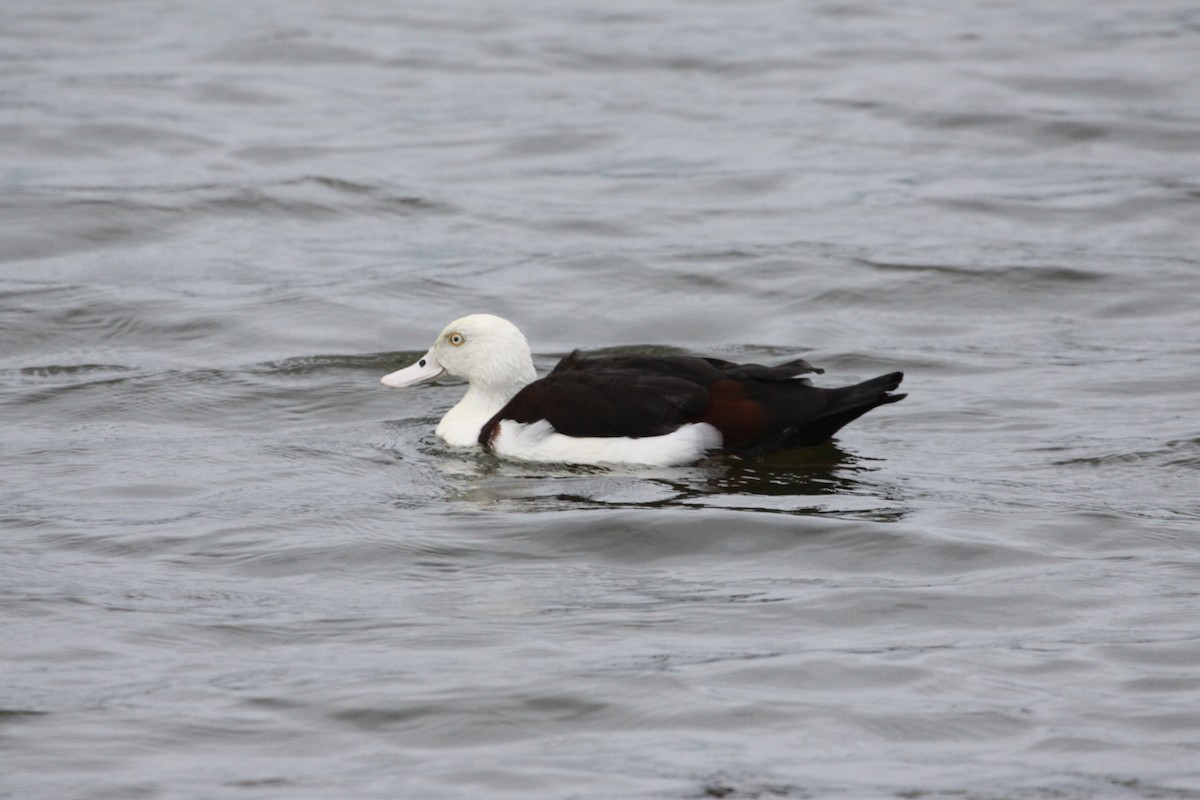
[646, 409]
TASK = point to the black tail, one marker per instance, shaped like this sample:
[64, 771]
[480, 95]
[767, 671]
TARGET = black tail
[846, 404]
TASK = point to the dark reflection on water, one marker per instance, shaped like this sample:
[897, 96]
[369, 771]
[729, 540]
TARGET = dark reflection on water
[802, 478]
[825, 469]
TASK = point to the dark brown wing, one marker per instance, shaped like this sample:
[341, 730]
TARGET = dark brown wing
[755, 407]
[705, 371]
[604, 404]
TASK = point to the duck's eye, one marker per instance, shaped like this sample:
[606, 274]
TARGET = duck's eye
[456, 339]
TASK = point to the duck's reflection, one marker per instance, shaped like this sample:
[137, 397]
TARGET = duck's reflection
[821, 470]
[824, 479]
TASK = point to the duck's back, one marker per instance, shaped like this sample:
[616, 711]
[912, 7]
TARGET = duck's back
[750, 407]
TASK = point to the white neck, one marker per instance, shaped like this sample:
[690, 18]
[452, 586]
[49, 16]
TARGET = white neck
[461, 425]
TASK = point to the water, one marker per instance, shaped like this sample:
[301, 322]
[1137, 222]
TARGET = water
[233, 565]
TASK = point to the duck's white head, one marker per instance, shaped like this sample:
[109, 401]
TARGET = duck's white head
[489, 352]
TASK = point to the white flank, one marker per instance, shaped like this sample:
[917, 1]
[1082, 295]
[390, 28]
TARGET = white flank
[538, 441]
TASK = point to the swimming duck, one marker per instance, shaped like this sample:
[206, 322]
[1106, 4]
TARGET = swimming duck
[638, 409]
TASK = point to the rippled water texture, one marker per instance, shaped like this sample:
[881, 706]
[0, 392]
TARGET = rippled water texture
[233, 565]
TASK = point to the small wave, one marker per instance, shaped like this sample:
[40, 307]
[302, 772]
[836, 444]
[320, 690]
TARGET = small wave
[1183, 453]
[91, 217]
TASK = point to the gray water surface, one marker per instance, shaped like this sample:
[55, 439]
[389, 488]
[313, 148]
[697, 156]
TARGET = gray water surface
[233, 565]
